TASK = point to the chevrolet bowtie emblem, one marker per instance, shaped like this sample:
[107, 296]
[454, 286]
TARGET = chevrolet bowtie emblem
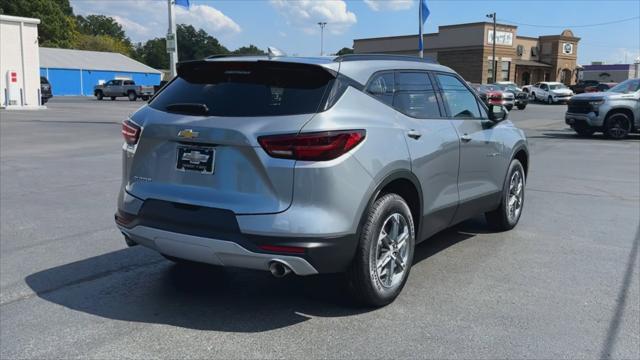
[188, 134]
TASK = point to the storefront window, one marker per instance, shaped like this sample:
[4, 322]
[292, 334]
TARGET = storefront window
[506, 65]
[490, 72]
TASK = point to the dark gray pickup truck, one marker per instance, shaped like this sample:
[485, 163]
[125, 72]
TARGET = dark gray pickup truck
[123, 88]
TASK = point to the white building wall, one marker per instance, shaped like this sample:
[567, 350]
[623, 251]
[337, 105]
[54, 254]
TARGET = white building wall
[19, 52]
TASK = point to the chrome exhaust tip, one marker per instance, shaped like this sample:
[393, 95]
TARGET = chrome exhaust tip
[279, 269]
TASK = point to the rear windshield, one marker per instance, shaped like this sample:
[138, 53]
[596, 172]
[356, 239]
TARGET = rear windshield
[262, 88]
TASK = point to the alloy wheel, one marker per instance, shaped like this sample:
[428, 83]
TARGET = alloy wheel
[392, 252]
[516, 196]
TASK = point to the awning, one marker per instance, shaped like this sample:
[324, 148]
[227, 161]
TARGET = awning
[530, 63]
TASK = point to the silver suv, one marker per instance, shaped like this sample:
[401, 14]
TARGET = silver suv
[615, 112]
[316, 165]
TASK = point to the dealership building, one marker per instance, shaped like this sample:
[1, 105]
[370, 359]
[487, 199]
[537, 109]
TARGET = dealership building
[467, 49]
[76, 72]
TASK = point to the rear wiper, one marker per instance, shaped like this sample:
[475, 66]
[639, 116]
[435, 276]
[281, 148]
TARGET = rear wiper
[188, 108]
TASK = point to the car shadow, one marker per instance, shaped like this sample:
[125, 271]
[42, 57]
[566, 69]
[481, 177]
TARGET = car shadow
[570, 135]
[137, 285]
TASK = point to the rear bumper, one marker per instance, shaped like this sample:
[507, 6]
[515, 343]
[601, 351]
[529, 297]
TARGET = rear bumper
[213, 236]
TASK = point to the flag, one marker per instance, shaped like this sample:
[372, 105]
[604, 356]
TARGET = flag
[424, 8]
[424, 14]
[183, 3]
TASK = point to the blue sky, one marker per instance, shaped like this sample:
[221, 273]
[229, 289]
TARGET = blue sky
[290, 25]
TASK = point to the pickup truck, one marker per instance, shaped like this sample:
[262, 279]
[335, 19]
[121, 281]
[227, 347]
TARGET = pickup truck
[550, 92]
[615, 112]
[122, 88]
[582, 86]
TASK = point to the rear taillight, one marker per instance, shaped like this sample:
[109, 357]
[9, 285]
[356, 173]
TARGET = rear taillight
[130, 132]
[317, 146]
[495, 97]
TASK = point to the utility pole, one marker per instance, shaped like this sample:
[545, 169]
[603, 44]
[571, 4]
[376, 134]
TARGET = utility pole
[494, 63]
[172, 39]
[322, 25]
[420, 34]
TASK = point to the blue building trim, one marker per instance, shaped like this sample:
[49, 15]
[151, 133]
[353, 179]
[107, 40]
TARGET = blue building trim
[81, 82]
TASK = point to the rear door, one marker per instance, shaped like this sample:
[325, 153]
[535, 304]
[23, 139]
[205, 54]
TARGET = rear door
[431, 139]
[199, 139]
[482, 161]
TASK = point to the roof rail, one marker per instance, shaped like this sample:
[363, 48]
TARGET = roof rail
[216, 56]
[361, 57]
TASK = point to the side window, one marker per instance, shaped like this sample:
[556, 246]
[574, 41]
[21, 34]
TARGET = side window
[382, 86]
[110, 82]
[415, 95]
[544, 87]
[460, 101]
[128, 82]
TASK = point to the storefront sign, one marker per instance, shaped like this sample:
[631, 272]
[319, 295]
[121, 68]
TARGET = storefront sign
[502, 37]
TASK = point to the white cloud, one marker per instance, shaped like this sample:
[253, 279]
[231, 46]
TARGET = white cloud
[306, 14]
[151, 17]
[392, 5]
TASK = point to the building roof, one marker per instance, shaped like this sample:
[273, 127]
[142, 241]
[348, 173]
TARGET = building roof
[530, 63]
[607, 67]
[90, 60]
[19, 19]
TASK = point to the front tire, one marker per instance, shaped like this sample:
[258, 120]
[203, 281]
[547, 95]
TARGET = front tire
[507, 215]
[584, 131]
[521, 107]
[385, 252]
[617, 126]
[550, 100]
[99, 95]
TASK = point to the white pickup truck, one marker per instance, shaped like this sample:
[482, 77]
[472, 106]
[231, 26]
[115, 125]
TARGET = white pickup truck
[549, 92]
[121, 88]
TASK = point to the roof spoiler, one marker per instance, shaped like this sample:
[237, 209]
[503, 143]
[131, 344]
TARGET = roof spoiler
[361, 57]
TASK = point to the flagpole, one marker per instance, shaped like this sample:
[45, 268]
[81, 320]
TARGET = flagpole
[420, 37]
[171, 32]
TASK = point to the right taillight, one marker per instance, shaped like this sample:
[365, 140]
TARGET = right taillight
[317, 146]
[130, 132]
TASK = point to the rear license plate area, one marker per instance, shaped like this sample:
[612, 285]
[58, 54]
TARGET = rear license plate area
[195, 158]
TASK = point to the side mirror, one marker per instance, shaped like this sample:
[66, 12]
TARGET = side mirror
[497, 113]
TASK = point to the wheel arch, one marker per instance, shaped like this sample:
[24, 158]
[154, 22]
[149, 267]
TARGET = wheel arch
[405, 184]
[521, 153]
[621, 110]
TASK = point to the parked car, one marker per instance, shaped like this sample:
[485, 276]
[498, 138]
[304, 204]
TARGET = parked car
[602, 87]
[550, 92]
[121, 88]
[582, 86]
[316, 165]
[45, 90]
[521, 98]
[493, 95]
[616, 112]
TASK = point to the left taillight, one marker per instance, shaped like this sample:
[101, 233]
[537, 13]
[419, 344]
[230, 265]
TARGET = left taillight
[130, 132]
[318, 146]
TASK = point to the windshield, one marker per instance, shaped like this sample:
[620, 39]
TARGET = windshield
[245, 89]
[626, 87]
[507, 87]
[557, 86]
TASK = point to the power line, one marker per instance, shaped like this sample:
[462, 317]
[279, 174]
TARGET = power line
[570, 26]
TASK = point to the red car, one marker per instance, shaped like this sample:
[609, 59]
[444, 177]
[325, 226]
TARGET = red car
[600, 87]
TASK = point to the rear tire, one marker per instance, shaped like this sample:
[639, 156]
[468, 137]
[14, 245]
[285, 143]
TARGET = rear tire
[384, 254]
[507, 215]
[584, 131]
[617, 126]
[132, 96]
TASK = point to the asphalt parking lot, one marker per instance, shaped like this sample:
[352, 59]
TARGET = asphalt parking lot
[564, 284]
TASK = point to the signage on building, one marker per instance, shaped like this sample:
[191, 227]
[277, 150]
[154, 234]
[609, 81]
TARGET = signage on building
[567, 48]
[502, 37]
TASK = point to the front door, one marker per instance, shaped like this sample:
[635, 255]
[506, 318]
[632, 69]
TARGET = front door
[482, 161]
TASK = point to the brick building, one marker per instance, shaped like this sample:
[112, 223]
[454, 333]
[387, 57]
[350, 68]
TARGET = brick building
[467, 48]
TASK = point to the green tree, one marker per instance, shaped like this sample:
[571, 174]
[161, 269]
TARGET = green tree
[57, 26]
[193, 45]
[248, 50]
[101, 25]
[153, 53]
[102, 43]
[344, 51]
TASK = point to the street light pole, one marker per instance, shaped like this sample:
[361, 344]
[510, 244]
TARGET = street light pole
[322, 25]
[172, 40]
[493, 57]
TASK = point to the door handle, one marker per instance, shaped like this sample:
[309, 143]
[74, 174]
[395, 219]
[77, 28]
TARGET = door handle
[414, 134]
[465, 138]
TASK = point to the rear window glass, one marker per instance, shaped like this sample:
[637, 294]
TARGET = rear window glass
[262, 88]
